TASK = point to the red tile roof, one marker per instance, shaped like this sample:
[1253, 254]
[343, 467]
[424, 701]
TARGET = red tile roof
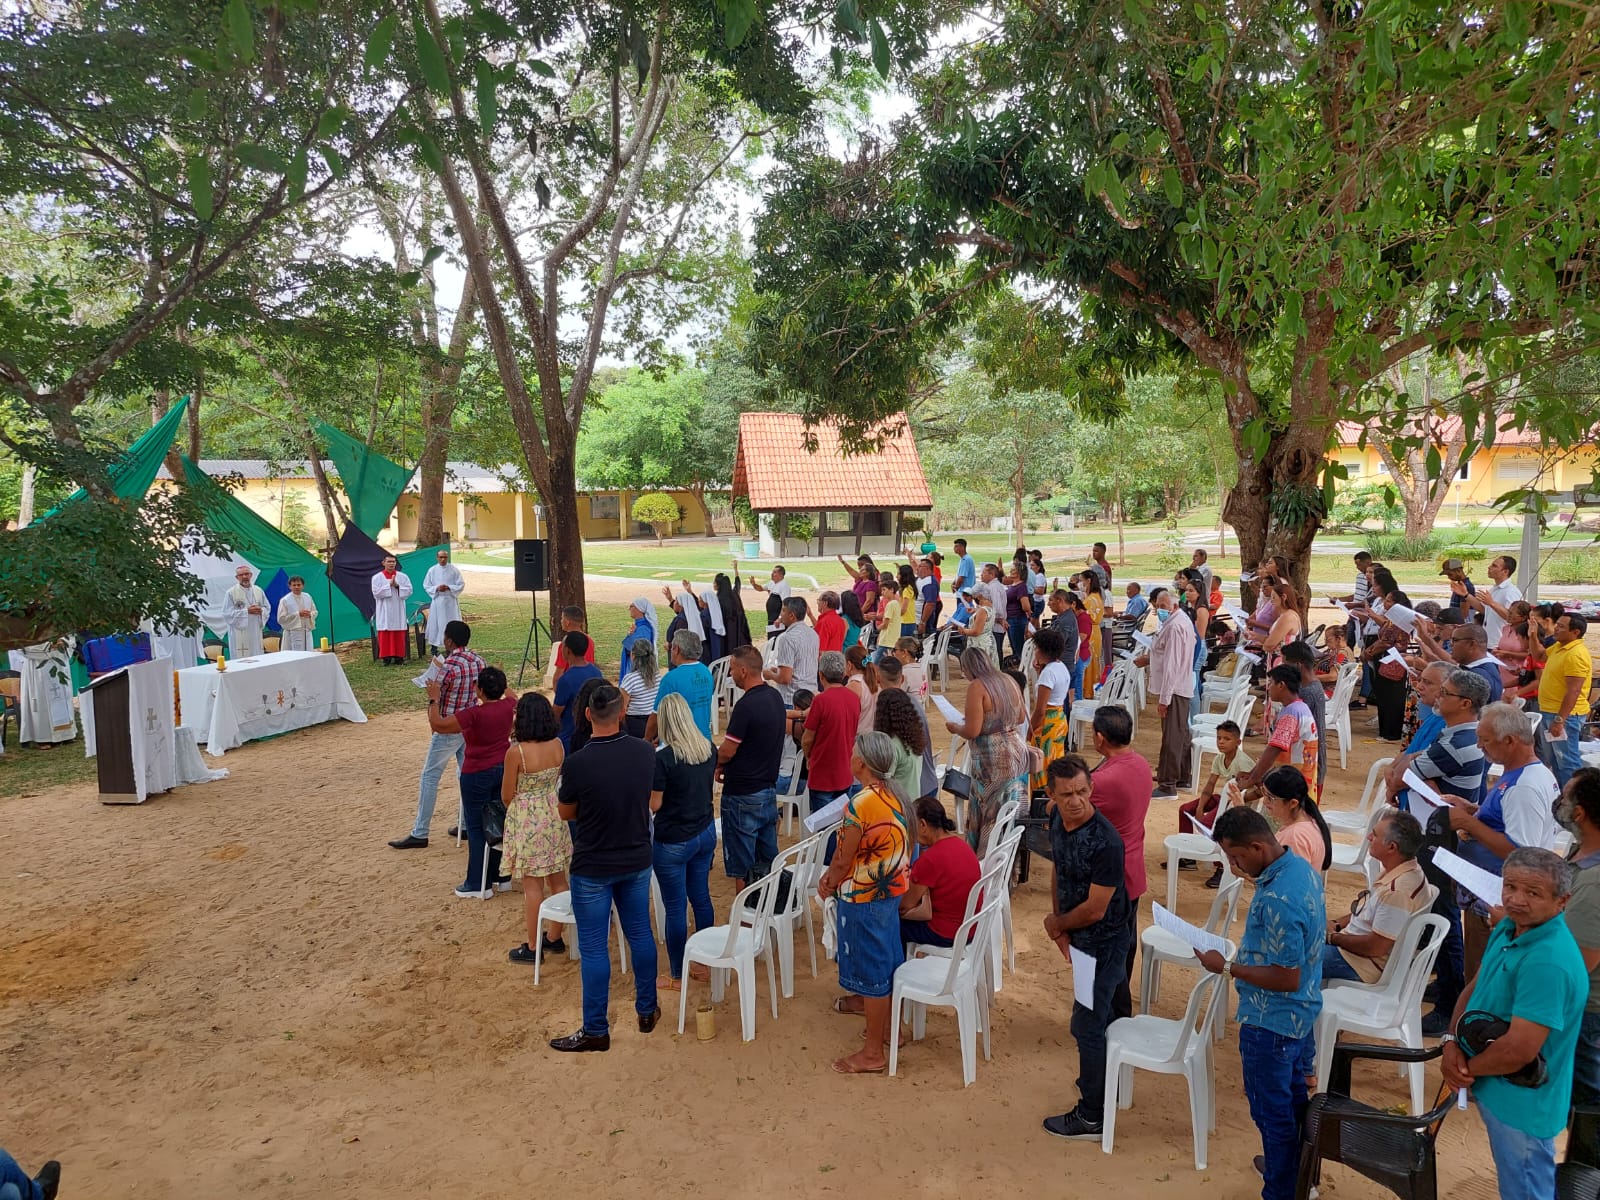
[1350, 431]
[776, 472]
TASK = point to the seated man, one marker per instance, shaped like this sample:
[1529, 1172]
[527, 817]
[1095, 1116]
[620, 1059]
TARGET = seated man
[1136, 608]
[1358, 946]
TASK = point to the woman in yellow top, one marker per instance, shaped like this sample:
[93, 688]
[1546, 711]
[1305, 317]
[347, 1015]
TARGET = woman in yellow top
[871, 870]
[1095, 606]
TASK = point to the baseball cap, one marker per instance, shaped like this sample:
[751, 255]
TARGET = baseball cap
[1451, 564]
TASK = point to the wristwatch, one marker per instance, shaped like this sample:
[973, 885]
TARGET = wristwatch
[1448, 1037]
[1227, 968]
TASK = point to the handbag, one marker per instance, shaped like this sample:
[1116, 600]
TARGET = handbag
[1477, 1030]
[494, 821]
[958, 784]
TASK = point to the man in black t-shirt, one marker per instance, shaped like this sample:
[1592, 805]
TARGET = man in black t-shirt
[1089, 913]
[747, 763]
[605, 790]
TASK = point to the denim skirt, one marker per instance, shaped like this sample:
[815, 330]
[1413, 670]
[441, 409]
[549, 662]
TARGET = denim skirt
[869, 946]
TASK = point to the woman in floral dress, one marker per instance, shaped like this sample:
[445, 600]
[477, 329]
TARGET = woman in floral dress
[994, 723]
[537, 845]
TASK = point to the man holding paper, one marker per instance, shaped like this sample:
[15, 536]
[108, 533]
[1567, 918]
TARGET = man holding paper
[1564, 695]
[1278, 975]
[1533, 986]
[1089, 923]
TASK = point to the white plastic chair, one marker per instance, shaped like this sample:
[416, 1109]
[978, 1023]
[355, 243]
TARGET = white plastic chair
[804, 861]
[936, 655]
[733, 947]
[1203, 742]
[1167, 1047]
[1359, 818]
[959, 982]
[1158, 946]
[1338, 710]
[790, 802]
[1391, 1008]
[1214, 690]
[558, 910]
[1196, 846]
[1354, 859]
[1113, 690]
[993, 884]
[721, 688]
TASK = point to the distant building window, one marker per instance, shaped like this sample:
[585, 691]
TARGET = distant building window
[1516, 470]
[875, 523]
[1353, 468]
[1466, 470]
[605, 508]
[841, 522]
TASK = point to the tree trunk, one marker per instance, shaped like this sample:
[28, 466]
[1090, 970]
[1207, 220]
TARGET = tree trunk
[566, 540]
[1122, 516]
[192, 419]
[25, 499]
[698, 491]
[1016, 502]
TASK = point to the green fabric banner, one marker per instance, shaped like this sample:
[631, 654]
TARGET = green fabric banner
[372, 482]
[135, 471]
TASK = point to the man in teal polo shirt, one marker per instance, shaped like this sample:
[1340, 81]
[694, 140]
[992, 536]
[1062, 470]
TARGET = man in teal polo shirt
[1533, 977]
[1277, 972]
[689, 678]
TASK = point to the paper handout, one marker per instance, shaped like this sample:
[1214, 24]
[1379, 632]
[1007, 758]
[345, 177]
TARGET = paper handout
[1191, 935]
[947, 710]
[1421, 789]
[1083, 966]
[1402, 616]
[827, 815]
[1144, 640]
[1475, 879]
[1395, 656]
[1240, 617]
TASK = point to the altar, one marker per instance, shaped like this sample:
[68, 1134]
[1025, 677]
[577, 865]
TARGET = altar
[264, 695]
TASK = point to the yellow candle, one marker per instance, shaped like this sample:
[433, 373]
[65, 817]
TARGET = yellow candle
[324, 643]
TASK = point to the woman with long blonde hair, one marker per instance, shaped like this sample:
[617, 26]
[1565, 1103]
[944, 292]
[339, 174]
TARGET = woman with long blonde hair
[992, 723]
[685, 834]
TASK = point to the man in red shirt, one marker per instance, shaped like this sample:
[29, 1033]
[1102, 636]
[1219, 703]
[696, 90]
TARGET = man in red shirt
[572, 621]
[830, 734]
[829, 624]
[1122, 787]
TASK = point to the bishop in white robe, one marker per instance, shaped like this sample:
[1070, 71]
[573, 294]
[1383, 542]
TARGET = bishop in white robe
[297, 616]
[390, 587]
[444, 586]
[246, 607]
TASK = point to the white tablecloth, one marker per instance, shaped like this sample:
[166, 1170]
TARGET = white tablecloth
[264, 695]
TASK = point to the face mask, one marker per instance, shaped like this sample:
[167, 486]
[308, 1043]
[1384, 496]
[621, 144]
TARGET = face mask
[1563, 815]
[1161, 616]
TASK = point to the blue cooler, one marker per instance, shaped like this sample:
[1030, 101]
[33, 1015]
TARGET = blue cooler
[113, 653]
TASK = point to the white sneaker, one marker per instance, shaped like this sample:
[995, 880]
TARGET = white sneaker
[474, 894]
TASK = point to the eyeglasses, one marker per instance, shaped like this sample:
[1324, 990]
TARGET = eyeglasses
[1454, 695]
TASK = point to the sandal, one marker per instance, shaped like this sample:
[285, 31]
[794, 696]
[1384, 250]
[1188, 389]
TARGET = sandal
[839, 1007]
[841, 1066]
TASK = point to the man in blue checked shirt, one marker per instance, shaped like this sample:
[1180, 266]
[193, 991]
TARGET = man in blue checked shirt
[1278, 975]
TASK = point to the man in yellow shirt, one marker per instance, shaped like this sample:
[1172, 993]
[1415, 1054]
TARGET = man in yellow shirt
[1564, 696]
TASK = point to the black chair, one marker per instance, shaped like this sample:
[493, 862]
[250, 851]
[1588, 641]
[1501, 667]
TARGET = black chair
[1396, 1152]
[1575, 1181]
[1583, 1135]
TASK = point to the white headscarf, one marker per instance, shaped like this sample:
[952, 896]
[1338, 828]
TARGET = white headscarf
[649, 611]
[714, 609]
[691, 615]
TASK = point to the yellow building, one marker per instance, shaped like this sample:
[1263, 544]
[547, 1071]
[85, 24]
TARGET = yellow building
[485, 504]
[284, 494]
[1516, 460]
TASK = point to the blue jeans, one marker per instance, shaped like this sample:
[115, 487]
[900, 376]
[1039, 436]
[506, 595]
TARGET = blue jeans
[1017, 632]
[477, 789]
[593, 897]
[683, 870]
[1450, 968]
[15, 1183]
[1561, 757]
[1336, 966]
[441, 749]
[1077, 678]
[1586, 1066]
[749, 834]
[1089, 1028]
[1275, 1072]
[1525, 1165]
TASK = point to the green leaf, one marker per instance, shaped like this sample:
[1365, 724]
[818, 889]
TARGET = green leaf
[849, 17]
[379, 43]
[262, 158]
[430, 57]
[336, 164]
[1435, 465]
[429, 149]
[296, 175]
[240, 29]
[431, 256]
[737, 17]
[331, 120]
[1173, 186]
[488, 100]
[881, 58]
[197, 104]
[539, 67]
[1382, 51]
[199, 173]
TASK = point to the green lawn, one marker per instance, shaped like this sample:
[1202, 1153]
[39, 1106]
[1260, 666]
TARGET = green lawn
[500, 630]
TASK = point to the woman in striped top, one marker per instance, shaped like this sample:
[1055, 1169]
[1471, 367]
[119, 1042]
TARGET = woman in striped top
[640, 685]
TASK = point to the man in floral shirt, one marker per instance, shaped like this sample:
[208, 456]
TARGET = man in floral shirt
[458, 680]
[1278, 975]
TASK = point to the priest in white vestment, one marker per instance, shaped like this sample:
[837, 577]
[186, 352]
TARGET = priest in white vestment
[444, 586]
[297, 616]
[247, 611]
[46, 707]
[390, 587]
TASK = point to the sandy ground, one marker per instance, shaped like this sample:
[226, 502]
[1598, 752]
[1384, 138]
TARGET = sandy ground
[239, 990]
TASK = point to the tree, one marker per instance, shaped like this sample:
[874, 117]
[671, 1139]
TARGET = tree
[1293, 200]
[176, 137]
[657, 510]
[629, 118]
[1422, 405]
[643, 432]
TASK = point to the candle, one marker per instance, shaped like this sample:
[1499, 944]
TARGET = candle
[324, 644]
[222, 662]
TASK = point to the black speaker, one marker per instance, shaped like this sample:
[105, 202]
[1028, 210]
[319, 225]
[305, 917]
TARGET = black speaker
[529, 558]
